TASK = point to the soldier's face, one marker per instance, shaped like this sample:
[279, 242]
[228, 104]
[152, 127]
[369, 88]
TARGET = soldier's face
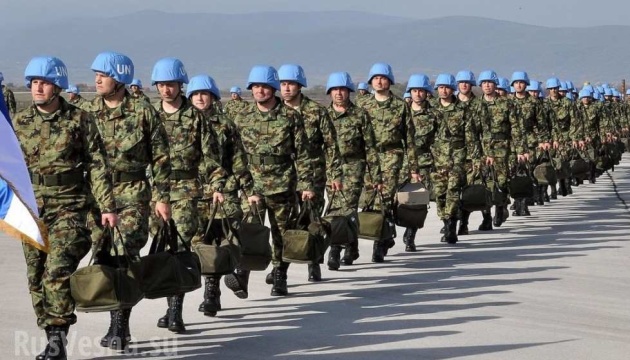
[362, 92]
[169, 90]
[339, 95]
[554, 92]
[202, 100]
[104, 84]
[586, 100]
[134, 89]
[380, 83]
[534, 93]
[234, 96]
[501, 92]
[488, 87]
[72, 96]
[289, 90]
[418, 95]
[464, 88]
[519, 86]
[42, 91]
[444, 92]
[262, 93]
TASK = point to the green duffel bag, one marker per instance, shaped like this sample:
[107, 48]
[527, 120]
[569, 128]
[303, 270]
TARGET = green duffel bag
[107, 287]
[342, 228]
[521, 185]
[375, 224]
[563, 169]
[308, 242]
[545, 173]
[220, 251]
[255, 246]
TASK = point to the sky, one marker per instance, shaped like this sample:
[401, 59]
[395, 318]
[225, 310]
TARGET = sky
[552, 13]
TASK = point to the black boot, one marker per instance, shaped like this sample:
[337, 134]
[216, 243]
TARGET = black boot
[280, 281]
[378, 253]
[443, 238]
[563, 188]
[334, 261]
[163, 321]
[121, 335]
[544, 193]
[107, 339]
[450, 236]
[554, 193]
[350, 254]
[525, 208]
[486, 224]
[409, 238]
[269, 277]
[211, 296]
[238, 282]
[57, 341]
[43, 354]
[538, 195]
[463, 224]
[314, 272]
[498, 215]
[518, 204]
[175, 320]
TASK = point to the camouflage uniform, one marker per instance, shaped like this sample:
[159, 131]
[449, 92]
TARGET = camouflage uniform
[58, 149]
[425, 126]
[234, 106]
[140, 95]
[134, 139]
[9, 99]
[360, 99]
[80, 102]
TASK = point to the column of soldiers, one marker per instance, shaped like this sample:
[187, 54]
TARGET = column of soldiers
[89, 171]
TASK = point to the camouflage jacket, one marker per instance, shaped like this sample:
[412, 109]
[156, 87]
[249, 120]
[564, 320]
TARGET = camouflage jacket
[231, 153]
[277, 149]
[450, 146]
[65, 143]
[502, 131]
[322, 137]
[533, 120]
[355, 137]
[425, 123]
[393, 127]
[194, 151]
[234, 106]
[140, 96]
[134, 139]
[590, 118]
[477, 115]
[80, 102]
[566, 126]
[360, 99]
[611, 118]
[9, 99]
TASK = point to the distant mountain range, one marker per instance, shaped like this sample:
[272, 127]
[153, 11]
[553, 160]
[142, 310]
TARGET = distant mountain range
[226, 46]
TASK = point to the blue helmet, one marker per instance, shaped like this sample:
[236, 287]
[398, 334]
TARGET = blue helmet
[72, 89]
[585, 93]
[447, 80]
[48, 68]
[553, 83]
[563, 86]
[628, 92]
[236, 90]
[569, 96]
[589, 88]
[605, 85]
[504, 84]
[407, 95]
[339, 79]
[600, 89]
[533, 86]
[136, 82]
[203, 83]
[608, 92]
[169, 69]
[363, 86]
[292, 72]
[115, 65]
[616, 93]
[263, 74]
[488, 75]
[597, 96]
[383, 70]
[466, 76]
[419, 81]
[519, 76]
[570, 86]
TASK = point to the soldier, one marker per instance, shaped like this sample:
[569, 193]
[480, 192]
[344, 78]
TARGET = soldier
[320, 134]
[363, 93]
[60, 143]
[235, 103]
[9, 97]
[358, 151]
[395, 137]
[134, 139]
[195, 155]
[202, 91]
[449, 154]
[135, 89]
[425, 125]
[502, 126]
[75, 98]
[591, 117]
[407, 97]
[504, 87]
[477, 114]
[275, 142]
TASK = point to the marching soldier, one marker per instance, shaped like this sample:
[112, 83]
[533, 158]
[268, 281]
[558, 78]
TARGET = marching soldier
[9, 97]
[135, 89]
[235, 103]
[75, 98]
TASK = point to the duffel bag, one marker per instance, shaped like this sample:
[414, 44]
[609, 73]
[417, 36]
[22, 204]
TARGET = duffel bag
[308, 241]
[255, 246]
[545, 173]
[220, 251]
[521, 185]
[476, 197]
[376, 224]
[342, 229]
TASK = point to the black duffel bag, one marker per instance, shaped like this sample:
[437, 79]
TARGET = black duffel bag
[343, 229]
[412, 205]
[521, 184]
[255, 247]
[476, 197]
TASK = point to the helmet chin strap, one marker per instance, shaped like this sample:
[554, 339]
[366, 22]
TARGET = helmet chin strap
[117, 88]
[52, 98]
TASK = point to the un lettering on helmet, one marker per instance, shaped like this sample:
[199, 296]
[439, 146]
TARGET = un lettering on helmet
[123, 69]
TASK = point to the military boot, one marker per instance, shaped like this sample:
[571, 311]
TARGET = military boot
[486, 224]
[57, 342]
[269, 277]
[554, 193]
[563, 187]
[378, 253]
[163, 321]
[238, 282]
[463, 225]
[121, 335]
[211, 296]
[334, 261]
[314, 272]
[524, 209]
[43, 354]
[450, 236]
[409, 238]
[443, 238]
[538, 195]
[175, 320]
[498, 215]
[350, 254]
[107, 339]
[280, 280]
[518, 205]
[544, 193]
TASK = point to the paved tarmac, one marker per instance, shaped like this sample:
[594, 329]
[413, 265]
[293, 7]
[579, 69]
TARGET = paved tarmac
[555, 285]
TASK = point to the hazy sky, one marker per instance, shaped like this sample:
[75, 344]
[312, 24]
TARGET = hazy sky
[556, 13]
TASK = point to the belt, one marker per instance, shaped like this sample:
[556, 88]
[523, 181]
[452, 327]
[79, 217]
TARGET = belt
[128, 176]
[62, 179]
[354, 157]
[389, 147]
[184, 175]
[269, 159]
[500, 136]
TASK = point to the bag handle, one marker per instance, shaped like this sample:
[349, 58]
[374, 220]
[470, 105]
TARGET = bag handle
[332, 198]
[253, 208]
[99, 247]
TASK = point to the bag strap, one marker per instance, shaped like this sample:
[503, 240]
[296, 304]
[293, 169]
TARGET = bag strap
[210, 220]
[253, 208]
[112, 238]
[332, 198]
[174, 235]
[370, 204]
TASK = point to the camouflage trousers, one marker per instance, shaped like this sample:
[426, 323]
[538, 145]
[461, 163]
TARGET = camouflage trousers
[205, 208]
[49, 274]
[133, 226]
[392, 164]
[447, 186]
[186, 217]
[320, 198]
[348, 201]
[501, 172]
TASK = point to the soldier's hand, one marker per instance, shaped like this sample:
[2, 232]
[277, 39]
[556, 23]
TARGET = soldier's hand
[378, 187]
[489, 160]
[416, 177]
[163, 211]
[109, 219]
[307, 195]
[556, 145]
[217, 197]
[581, 144]
[254, 199]
[337, 186]
[546, 146]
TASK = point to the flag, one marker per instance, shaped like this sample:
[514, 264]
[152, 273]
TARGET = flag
[18, 207]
